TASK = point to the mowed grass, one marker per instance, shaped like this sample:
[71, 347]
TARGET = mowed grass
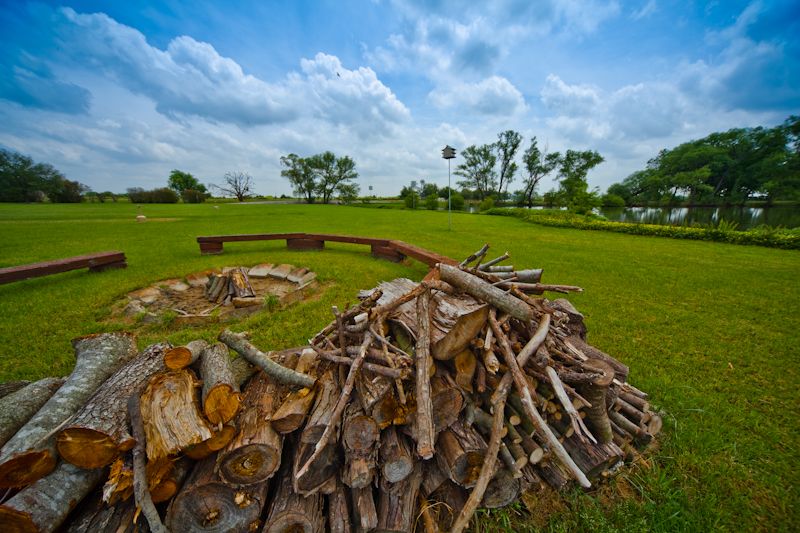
[709, 330]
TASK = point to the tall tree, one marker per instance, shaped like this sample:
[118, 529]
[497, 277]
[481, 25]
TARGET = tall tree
[23, 180]
[573, 187]
[238, 184]
[300, 175]
[506, 148]
[180, 181]
[478, 169]
[538, 163]
[332, 171]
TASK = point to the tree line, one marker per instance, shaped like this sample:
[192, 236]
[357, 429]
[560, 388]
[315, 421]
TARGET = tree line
[722, 168]
[23, 180]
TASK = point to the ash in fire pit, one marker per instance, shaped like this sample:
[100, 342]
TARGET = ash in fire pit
[214, 294]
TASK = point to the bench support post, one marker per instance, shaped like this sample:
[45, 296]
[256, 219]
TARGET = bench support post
[210, 248]
[305, 244]
[386, 252]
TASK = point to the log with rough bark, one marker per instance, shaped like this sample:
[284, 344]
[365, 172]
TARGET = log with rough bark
[44, 505]
[424, 421]
[93, 515]
[98, 433]
[205, 503]
[255, 453]
[172, 419]
[360, 435]
[397, 503]
[8, 387]
[141, 489]
[365, 514]
[31, 452]
[395, 455]
[339, 510]
[294, 408]
[220, 396]
[239, 343]
[595, 392]
[183, 356]
[502, 490]
[291, 512]
[483, 291]
[240, 283]
[18, 406]
[460, 453]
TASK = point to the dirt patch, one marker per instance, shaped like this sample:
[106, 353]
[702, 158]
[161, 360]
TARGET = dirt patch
[184, 301]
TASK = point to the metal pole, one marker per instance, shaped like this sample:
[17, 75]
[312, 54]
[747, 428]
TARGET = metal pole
[449, 225]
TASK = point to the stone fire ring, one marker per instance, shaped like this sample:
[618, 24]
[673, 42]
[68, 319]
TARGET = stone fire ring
[185, 298]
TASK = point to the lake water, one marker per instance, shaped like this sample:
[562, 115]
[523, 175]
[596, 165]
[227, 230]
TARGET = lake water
[746, 217]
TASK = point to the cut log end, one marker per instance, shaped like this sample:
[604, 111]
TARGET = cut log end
[221, 404]
[14, 521]
[249, 464]
[25, 468]
[218, 440]
[88, 448]
[177, 358]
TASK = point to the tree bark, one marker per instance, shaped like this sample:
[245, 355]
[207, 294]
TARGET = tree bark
[18, 406]
[291, 512]
[287, 376]
[485, 292]
[360, 435]
[44, 505]
[397, 503]
[95, 516]
[172, 420]
[502, 490]
[595, 393]
[31, 452]
[183, 356]
[141, 489]
[460, 453]
[592, 458]
[395, 453]
[254, 455]
[339, 510]
[424, 421]
[364, 511]
[293, 410]
[241, 283]
[207, 504]
[98, 433]
[8, 387]
[221, 397]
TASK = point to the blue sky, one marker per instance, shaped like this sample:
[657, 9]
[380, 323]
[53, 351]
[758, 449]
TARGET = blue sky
[116, 94]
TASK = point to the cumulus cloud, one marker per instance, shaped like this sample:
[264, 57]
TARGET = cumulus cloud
[491, 96]
[190, 78]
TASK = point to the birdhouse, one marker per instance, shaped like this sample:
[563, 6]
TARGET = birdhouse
[448, 152]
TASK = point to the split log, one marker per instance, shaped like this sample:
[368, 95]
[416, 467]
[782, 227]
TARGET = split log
[18, 406]
[460, 453]
[8, 387]
[238, 343]
[31, 452]
[360, 435]
[364, 511]
[502, 490]
[98, 433]
[423, 421]
[327, 461]
[447, 401]
[483, 291]
[397, 504]
[592, 458]
[465, 364]
[207, 504]
[221, 397]
[291, 512]
[255, 453]
[455, 320]
[183, 356]
[595, 393]
[169, 485]
[172, 420]
[395, 453]
[241, 283]
[218, 440]
[141, 490]
[44, 505]
[339, 510]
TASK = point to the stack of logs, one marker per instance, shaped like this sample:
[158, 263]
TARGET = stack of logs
[466, 389]
[227, 287]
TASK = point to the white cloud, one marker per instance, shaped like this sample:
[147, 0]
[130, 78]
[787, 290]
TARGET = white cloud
[569, 100]
[491, 96]
[645, 11]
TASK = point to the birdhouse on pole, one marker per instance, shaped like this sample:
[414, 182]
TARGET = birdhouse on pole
[448, 152]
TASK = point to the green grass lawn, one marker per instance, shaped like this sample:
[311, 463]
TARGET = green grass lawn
[709, 330]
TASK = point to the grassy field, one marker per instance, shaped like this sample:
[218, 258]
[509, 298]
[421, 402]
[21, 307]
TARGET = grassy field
[709, 330]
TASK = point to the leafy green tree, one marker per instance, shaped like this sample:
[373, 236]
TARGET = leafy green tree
[411, 199]
[432, 202]
[478, 170]
[300, 174]
[573, 186]
[429, 189]
[456, 201]
[506, 148]
[180, 181]
[23, 180]
[348, 192]
[332, 171]
[538, 164]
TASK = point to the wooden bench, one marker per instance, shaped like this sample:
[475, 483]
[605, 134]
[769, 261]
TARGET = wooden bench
[383, 248]
[94, 262]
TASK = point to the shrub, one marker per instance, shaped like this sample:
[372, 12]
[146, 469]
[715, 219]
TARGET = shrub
[431, 202]
[411, 200]
[156, 196]
[456, 202]
[486, 204]
[193, 196]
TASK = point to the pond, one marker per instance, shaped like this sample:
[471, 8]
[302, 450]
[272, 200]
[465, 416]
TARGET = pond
[746, 217]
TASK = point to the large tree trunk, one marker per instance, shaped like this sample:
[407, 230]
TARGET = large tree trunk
[98, 433]
[172, 420]
[255, 453]
[44, 505]
[31, 452]
[290, 512]
[220, 391]
[19, 406]
[207, 504]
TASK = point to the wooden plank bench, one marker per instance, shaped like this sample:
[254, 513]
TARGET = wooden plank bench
[392, 250]
[94, 262]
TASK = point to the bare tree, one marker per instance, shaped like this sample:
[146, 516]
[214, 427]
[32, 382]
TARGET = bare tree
[238, 184]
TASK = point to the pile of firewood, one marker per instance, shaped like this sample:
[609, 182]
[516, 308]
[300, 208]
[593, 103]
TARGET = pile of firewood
[465, 389]
[230, 285]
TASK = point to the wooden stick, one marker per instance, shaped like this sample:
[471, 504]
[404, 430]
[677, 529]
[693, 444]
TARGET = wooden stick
[476, 287]
[540, 287]
[477, 256]
[393, 373]
[141, 490]
[494, 261]
[425, 435]
[340, 405]
[530, 410]
[561, 394]
[281, 374]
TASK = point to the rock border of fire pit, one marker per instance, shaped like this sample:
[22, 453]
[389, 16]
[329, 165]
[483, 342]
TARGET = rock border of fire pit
[139, 299]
